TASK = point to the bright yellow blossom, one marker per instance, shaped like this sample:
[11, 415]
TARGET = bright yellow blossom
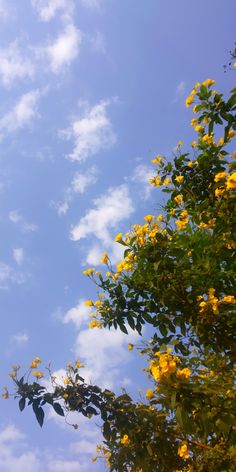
[88, 271]
[229, 299]
[118, 237]
[149, 218]
[104, 259]
[199, 128]
[130, 347]
[37, 374]
[184, 373]
[88, 303]
[149, 394]
[231, 182]
[208, 82]
[95, 324]
[178, 199]
[179, 179]
[183, 451]
[220, 176]
[157, 160]
[125, 440]
[189, 100]
[231, 133]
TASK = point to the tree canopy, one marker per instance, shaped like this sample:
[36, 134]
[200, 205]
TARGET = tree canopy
[178, 276]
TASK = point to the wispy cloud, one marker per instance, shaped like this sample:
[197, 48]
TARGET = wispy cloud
[81, 181]
[98, 42]
[14, 453]
[92, 133]
[48, 9]
[102, 351]
[180, 90]
[17, 218]
[140, 176]
[109, 210]
[21, 115]
[20, 339]
[13, 65]
[92, 4]
[64, 50]
[9, 276]
[18, 255]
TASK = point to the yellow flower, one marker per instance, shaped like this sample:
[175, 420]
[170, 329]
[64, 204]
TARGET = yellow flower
[125, 440]
[220, 176]
[12, 374]
[88, 303]
[184, 373]
[194, 122]
[33, 365]
[66, 381]
[155, 181]
[104, 259]
[38, 374]
[108, 274]
[88, 271]
[95, 324]
[219, 191]
[157, 160]
[189, 100]
[183, 451]
[199, 128]
[79, 365]
[181, 224]
[166, 182]
[149, 218]
[231, 182]
[207, 138]
[233, 155]
[179, 179]
[197, 85]
[149, 394]
[231, 133]
[130, 347]
[178, 199]
[160, 218]
[220, 142]
[229, 299]
[208, 82]
[180, 143]
[194, 144]
[98, 303]
[65, 396]
[118, 237]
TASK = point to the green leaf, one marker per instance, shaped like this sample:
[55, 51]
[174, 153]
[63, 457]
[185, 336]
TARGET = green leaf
[22, 403]
[39, 413]
[58, 409]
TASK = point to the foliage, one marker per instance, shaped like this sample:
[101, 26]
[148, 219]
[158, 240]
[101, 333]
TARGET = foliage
[177, 275]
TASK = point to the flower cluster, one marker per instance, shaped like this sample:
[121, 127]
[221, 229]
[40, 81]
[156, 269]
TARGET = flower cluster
[210, 302]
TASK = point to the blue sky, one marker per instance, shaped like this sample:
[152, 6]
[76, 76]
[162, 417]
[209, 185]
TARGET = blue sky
[90, 91]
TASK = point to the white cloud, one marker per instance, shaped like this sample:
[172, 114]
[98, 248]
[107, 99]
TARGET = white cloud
[12, 455]
[78, 314]
[92, 133]
[8, 275]
[17, 218]
[98, 42]
[109, 210]
[79, 184]
[13, 66]
[21, 115]
[47, 9]
[92, 4]
[180, 90]
[141, 175]
[20, 339]
[103, 352]
[18, 255]
[60, 465]
[4, 12]
[64, 50]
